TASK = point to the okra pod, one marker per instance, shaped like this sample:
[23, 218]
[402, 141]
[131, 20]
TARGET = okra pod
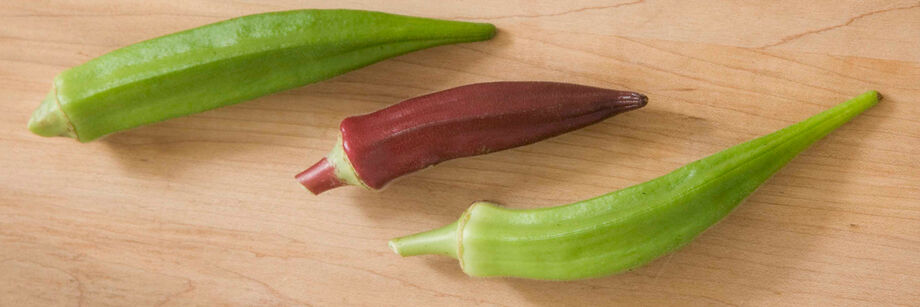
[375, 148]
[627, 228]
[229, 62]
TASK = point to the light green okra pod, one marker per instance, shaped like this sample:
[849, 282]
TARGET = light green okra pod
[229, 62]
[627, 228]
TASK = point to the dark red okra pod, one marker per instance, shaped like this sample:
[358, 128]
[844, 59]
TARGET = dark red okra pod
[465, 121]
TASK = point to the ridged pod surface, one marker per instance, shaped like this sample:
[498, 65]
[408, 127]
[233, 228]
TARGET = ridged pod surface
[469, 120]
[627, 228]
[229, 62]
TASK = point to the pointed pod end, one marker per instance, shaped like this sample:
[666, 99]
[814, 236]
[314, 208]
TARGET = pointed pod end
[474, 31]
[49, 120]
[878, 96]
[320, 177]
[489, 31]
[632, 100]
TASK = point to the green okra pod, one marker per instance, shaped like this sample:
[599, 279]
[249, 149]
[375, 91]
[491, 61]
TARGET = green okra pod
[229, 62]
[627, 228]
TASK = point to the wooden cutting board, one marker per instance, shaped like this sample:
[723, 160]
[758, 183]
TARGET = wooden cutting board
[203, 210]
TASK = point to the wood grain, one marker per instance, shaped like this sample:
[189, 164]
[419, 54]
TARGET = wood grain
[203, 210]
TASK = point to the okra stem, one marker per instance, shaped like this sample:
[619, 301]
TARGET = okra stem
[49, 120]
[440, 241]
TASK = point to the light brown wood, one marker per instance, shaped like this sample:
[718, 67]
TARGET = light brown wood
[203, 210]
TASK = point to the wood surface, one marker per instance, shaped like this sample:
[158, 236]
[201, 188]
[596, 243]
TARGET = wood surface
[203, 210]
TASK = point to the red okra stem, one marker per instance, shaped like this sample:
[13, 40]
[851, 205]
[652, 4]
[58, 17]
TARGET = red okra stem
[465, 121]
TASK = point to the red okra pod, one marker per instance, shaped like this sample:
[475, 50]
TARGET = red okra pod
[376, 148]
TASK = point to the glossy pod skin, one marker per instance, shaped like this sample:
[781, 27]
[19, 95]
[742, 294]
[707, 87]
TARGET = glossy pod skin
[229, 62]
[627, 228]
[465, 121]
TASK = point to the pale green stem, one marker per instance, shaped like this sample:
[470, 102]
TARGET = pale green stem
[441, 241]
